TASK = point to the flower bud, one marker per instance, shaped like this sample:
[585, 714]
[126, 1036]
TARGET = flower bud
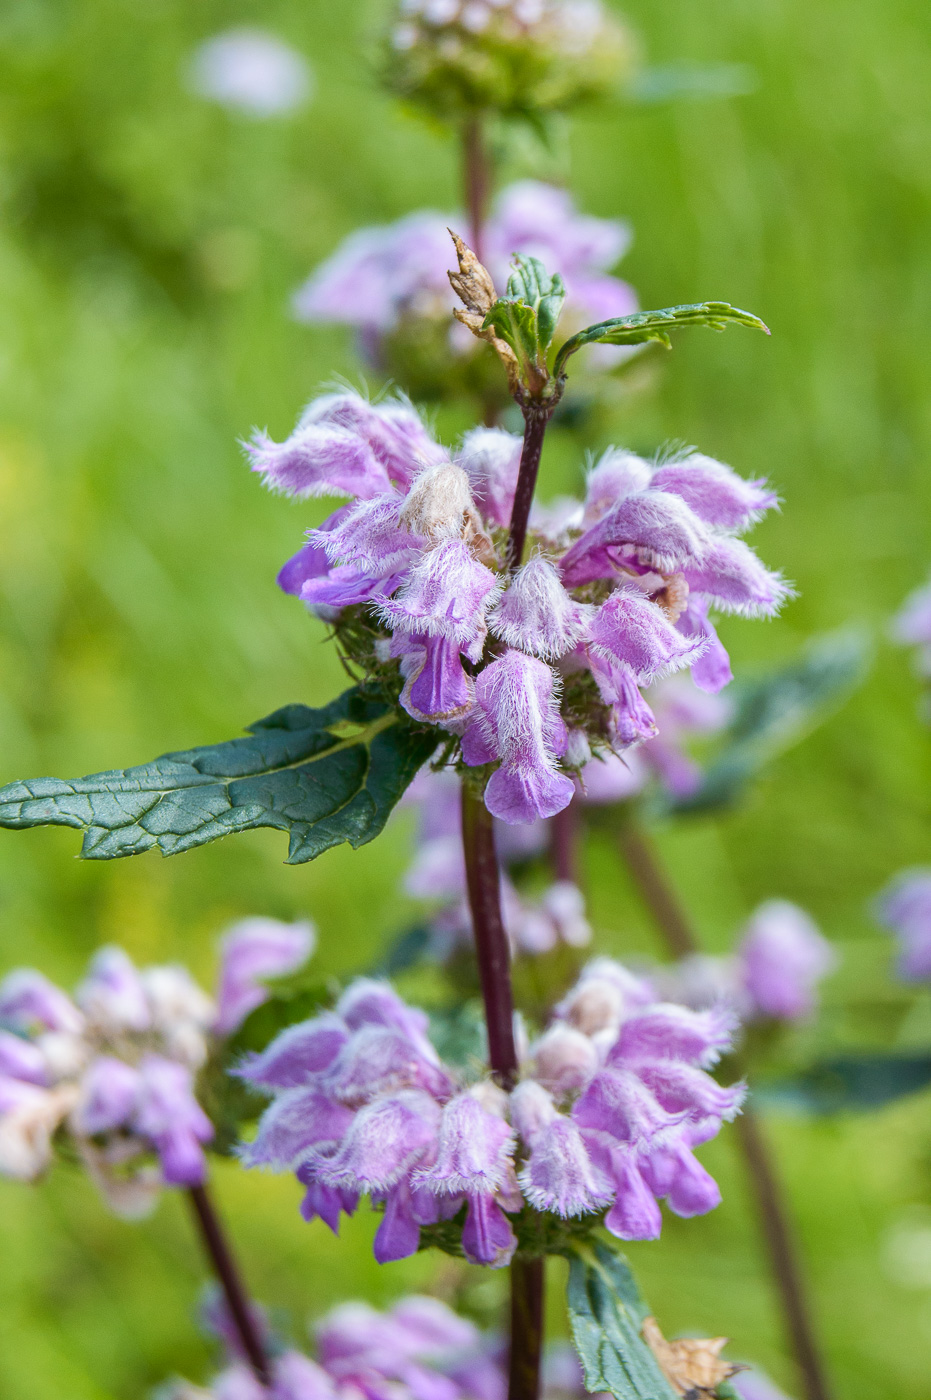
[565, 1058]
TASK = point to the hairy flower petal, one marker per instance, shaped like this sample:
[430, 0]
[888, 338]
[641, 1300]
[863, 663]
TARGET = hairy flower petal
[537, 615]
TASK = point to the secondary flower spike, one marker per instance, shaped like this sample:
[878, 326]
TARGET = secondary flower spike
[616, 590]
[115, 1067]
[389, 282]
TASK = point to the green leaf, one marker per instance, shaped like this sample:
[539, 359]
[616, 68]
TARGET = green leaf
[528, 315]
[850, 1083]
[642, 326]
[606, 1313]
[774, 712]
[324, 776]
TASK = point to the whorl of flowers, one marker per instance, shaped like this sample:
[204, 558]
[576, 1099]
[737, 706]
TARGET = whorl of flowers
[512, 56]
[390, 281]
[115, 1066]
[419, 1349]
[615, 1100]
[535, 666]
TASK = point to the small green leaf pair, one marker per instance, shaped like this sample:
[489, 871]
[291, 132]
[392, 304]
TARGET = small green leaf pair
[527, 316]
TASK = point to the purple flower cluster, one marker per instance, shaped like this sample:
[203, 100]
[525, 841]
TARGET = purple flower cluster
[904, 908]
[418, 1350]
[383, 277]
[615, 595]
[116, 1064]
[617, 1100]
[773, 973]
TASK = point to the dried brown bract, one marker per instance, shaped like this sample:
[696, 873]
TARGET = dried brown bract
[475, 289]
[692, 1365]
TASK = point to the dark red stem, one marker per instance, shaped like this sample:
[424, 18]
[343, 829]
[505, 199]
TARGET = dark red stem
[536, 416]
[491, 940]
[476, 180]
[224, 1266]
[669, 915]
[527, 1292]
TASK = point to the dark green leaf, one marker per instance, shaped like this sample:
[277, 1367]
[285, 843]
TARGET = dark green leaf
[606, 1313]
[775, 711]
[850, 1083]
[325, 776]
[642, 326]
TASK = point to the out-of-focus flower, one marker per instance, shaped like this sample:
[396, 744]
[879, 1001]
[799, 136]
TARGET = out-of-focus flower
[115, 1067]
[390, 281]
[616, 1100]
[904, 908]
[511, 56]
[251, 71]
[773, 973]
[781, 959]
[415, 568]
[912, 627]
[680, 711]
[251, 951]
[419, 1349]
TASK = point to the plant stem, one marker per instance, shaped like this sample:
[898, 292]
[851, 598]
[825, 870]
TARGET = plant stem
[491, 940]
[476, 180]
[564, 844]
[672, 921]
[527, 1290]
[536, 417]
[655, 890]
[494, 966]
[218, 1252]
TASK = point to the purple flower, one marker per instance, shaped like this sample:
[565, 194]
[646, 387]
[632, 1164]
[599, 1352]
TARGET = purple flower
[29, 1000]
[781, 959]
[538, 615]
[251, 951]
[447, 594]
[169, 1115]
[518, 722]
[630, 631]
[110, 1092]
[112, 994]
[715, 493]
[904, 907]
[490, 458]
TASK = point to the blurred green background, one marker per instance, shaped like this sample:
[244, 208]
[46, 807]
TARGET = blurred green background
[148, 245]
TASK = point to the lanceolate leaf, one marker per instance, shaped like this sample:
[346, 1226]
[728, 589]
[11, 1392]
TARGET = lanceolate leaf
[642, 326]
[324, 776]
[850, 1083]
[606, 1313]
[775, 711]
